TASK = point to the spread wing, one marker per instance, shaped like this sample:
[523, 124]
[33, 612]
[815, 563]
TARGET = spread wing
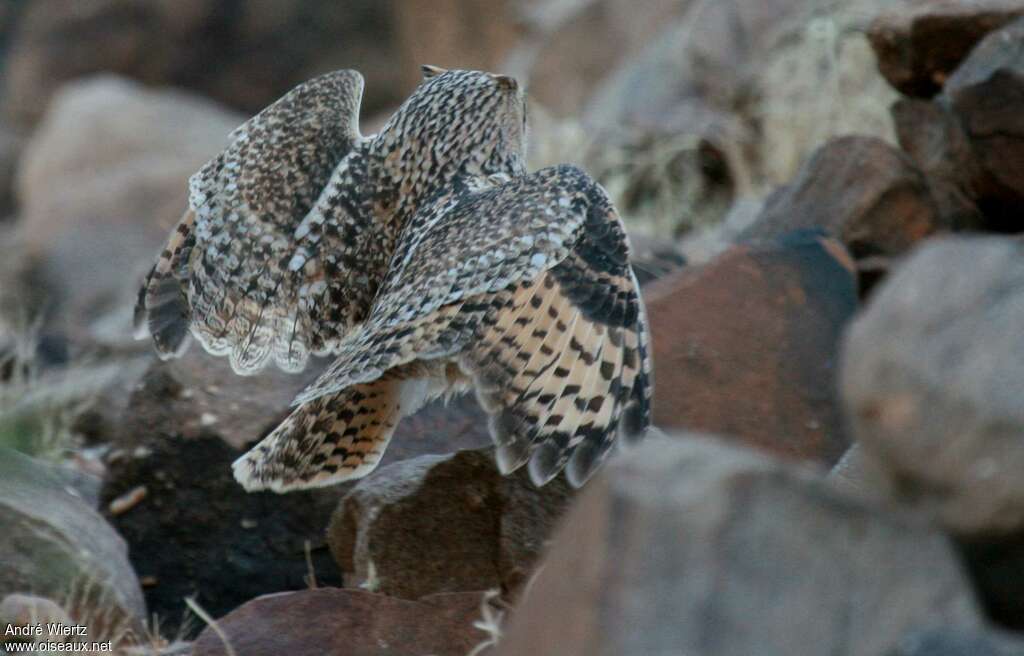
[257, 260]
[527, 285]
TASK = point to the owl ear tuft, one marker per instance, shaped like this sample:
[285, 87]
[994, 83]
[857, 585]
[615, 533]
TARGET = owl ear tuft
[432, 71]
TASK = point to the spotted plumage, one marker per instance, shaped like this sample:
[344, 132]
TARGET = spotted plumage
[427, 261]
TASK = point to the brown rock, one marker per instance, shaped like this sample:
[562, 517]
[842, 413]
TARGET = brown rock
[934, 138]
[746, 346]
[932, 384]
[987, 95]
[56, 546]
[920, 42]
[443, 524]
[692, 547]
[333, 622]
[861, 190]
[245, 54]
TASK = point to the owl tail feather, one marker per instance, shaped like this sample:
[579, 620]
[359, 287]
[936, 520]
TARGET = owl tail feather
[333, 438]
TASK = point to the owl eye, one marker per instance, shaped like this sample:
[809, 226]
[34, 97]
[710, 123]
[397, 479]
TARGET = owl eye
[431, 71]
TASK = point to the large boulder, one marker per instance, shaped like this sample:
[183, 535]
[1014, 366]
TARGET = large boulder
[330, 621]
[56, 546]
[746, 345]
[692, 547]
[443, 524]
[860, 189]
[932, 383]
[952, 641]
[919, 43]
[102, 182]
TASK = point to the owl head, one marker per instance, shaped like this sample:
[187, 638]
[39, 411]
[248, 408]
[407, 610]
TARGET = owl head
[468, 121]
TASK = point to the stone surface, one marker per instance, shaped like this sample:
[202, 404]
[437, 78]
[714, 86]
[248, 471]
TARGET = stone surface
[920, 42]
[183, 427]
[329, 622]
[246, 53]
[197, 532]
[860, 189]
[945, 641]
[55, 545]
[746, 346]
[692, 547]
[932, 383]
[101, 183]
[443, 524]
[996, 566]
[934, 138]
[987, 95]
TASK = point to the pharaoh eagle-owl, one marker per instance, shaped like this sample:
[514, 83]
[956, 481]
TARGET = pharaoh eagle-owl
[426, 260]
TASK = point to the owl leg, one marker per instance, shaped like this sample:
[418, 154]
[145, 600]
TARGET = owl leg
[335, 437]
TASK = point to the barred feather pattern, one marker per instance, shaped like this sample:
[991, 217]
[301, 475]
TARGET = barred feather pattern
[294, 224]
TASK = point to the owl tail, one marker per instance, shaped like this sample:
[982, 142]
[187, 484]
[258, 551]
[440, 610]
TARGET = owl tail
[333, 438]
[162, 309]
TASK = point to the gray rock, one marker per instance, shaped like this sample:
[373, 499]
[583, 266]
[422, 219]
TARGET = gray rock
[101, 182]
[55, 545]
[443, 524]
[946, 641]
[932, 381]
[692, 547]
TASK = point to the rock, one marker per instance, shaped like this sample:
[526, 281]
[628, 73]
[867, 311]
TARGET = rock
[11, 144]
[945, 641]
[183, 427]
[245, 54]
[932, 389]
[101, 183]
[987, 95]
[920, 42]
[333, 621]
[934, 138]
[861, 190]
[855, 475]
[443, 524]
[746, 346]
[197, 532]
[198, 394]
[693, 547]
[26, 610]
[56, 546]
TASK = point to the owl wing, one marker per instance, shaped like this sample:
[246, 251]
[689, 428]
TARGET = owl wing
[245, 270]
[527, 285]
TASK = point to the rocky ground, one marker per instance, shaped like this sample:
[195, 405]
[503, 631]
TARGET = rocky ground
[826, 204]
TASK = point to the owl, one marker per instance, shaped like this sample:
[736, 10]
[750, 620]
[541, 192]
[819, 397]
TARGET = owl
[427, 261]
